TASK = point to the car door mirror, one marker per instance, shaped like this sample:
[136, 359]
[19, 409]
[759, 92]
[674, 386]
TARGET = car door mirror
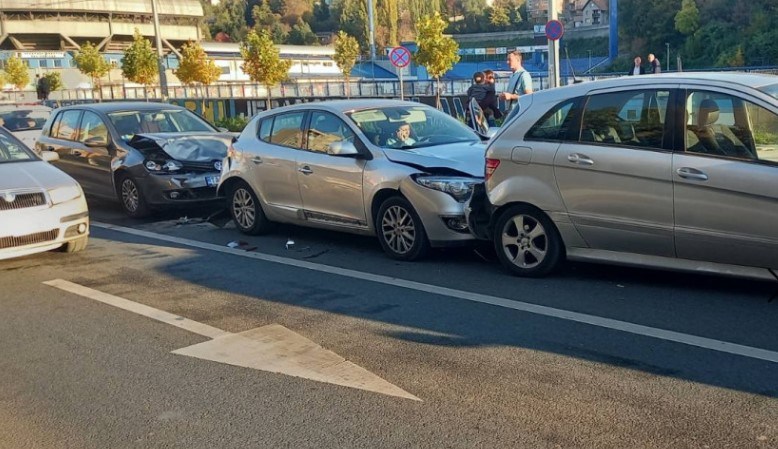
[49, 156]
[342, 148]
[96, 142]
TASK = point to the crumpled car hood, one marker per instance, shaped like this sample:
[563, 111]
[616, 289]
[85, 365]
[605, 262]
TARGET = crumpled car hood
[191, 147]
[466, 158]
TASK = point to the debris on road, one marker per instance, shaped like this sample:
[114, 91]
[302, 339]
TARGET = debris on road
[219, 218]
[240, 244]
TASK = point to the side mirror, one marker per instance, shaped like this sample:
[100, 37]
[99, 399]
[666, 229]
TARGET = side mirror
[342, 148]
[96, 142]
[49, 156]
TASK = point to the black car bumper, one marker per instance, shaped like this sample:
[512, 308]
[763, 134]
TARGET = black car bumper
[478, 212]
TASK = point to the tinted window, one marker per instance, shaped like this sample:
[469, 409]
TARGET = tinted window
[265, 127]
[633, 118]
[67, 126]
[288, 130]
[24, 119]
[92, 128]
[727, 126]
[553, 125]
[325, 129]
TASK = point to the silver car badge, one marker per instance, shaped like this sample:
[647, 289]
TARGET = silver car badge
[217, 165]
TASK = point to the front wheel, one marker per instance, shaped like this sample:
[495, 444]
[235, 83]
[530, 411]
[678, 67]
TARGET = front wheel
[527, 242]
[400, 230]
[246, 211]
[131, 198]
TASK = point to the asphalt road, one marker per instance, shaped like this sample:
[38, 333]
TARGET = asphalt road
[593, 357]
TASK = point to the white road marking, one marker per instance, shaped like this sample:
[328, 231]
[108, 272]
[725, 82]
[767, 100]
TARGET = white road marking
[608, 323]
[271, 348]
[130, 306]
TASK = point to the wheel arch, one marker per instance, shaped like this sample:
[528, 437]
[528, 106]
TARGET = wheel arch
[378, 198]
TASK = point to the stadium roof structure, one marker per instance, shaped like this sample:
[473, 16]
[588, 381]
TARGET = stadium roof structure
[30, 25]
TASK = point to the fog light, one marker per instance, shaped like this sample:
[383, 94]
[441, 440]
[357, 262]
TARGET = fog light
[174, 195]
[82, 228]
[458, 224]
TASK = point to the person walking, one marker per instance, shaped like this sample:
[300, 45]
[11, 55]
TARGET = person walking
[654, 64]
[39, 87]
[520, 82]
[638, 67]
[489, 105]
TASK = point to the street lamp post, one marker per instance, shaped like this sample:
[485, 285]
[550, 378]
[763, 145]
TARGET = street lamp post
[160, 56]
[667, 44]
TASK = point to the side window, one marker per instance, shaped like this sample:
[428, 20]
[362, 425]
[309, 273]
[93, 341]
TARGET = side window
[723, 125]
[554, 124]
[265, 126]
[288, 130]
[92, 128]
[67, 126]
[325, 129]
[632, 118]
[55, 125]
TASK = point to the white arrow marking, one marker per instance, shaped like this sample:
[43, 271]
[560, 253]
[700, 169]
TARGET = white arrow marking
[272, 348]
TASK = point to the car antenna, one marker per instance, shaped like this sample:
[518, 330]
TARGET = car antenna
[570, 65]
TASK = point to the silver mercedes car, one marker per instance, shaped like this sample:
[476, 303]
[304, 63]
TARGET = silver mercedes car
[395, 169]
[675, 171]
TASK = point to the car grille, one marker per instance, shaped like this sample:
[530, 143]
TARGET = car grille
[29, 239]
[198, 167]
[21, 200]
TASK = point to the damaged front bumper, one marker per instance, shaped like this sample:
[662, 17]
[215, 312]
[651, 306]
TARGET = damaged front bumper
[478, 213]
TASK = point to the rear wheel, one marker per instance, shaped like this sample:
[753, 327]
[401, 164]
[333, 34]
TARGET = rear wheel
[400, 230]
[527, 242]
[246, 210]
[131, 198]
[76, 245]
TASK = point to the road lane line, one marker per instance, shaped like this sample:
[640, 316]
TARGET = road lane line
[144, 310]
[608, 323]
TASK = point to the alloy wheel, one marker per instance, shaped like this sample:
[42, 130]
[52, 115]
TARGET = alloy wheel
[399, 230]
[130, 195]
[524, 241]
[243, 208]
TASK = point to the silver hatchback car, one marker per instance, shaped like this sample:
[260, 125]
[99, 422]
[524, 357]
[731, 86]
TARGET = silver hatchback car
[674, 171]
[395, 169]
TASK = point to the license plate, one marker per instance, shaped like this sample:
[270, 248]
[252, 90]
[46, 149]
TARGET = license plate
[211, 181]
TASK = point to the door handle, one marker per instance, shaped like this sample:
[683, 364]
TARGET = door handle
[77, 153]
[306, 170]
[257, 160]
[580, 159]
[691, 173]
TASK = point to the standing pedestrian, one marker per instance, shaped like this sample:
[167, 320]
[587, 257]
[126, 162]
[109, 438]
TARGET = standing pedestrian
[638, 67]
[39, 87]
[490, 102]
[520, 82]
[45, 84]
[655, 65]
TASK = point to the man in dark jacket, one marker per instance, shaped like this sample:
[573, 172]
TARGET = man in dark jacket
[638, 68]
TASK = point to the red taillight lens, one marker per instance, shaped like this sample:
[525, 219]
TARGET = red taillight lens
[491, 166]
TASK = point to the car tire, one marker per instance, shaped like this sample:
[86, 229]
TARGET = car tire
[131, 198]
[76, 245]
[246, 210]
[527, 242]
[400, 230]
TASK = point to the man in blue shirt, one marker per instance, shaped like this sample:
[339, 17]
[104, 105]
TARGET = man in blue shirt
[520, 82]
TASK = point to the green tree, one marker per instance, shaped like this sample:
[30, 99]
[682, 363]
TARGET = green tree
[687, 21]
[139, 63]
[54, 80]
[17, 73]
[346, 54]
[437, 53]
[92, 64]
[353, 20]
[301, 34]
[195, 66]
[262, 61]
[499, 17]
[229, 17]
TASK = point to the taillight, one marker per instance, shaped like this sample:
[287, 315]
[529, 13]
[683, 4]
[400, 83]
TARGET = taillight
[491, 166]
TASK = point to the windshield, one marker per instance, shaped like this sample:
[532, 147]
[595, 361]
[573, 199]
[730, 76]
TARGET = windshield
[771, 90]
[412, 126]
[12, 150]
[24, 119]
[129, 123]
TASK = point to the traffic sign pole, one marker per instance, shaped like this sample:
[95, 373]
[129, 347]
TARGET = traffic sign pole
[400, 75]
[554, 32]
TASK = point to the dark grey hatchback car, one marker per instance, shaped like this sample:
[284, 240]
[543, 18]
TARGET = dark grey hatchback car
[148, 155]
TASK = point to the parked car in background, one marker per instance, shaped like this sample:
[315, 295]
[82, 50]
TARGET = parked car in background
[25, 121]
[148, 155]
[394, 169]
[678, 171]
[41, 208]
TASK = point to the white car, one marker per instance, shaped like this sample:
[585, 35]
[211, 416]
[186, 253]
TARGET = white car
[41, 208]
[25, 121]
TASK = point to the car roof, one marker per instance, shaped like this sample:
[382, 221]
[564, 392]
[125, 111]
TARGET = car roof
[348, 105]
[115, 106]
[752, 80]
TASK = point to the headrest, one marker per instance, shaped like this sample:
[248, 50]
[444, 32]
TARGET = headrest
[708, 113]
